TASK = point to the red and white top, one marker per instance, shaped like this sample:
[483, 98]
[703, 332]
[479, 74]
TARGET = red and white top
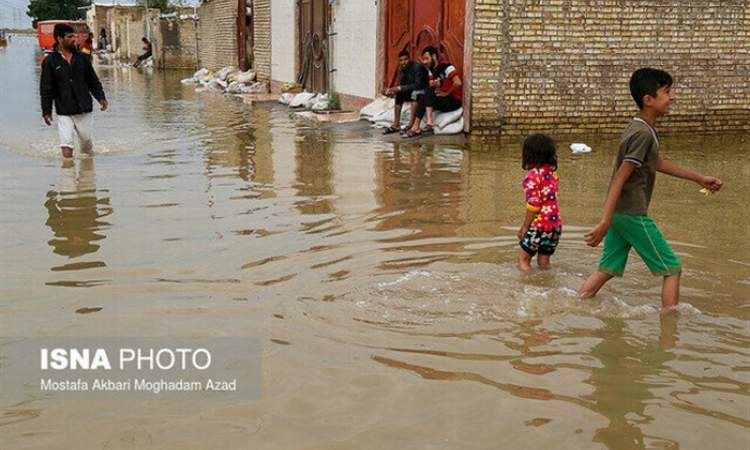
[541, 188]
[446, 74]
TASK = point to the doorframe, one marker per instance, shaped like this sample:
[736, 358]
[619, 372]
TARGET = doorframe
[468, 62]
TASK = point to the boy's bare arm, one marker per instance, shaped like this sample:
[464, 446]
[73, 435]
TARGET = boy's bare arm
[595, 236]
[711, 183]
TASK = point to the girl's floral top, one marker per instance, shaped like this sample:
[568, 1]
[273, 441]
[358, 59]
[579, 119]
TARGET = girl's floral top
[540, 186]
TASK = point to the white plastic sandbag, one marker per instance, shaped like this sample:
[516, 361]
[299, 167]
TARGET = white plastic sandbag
[444, 119]
[224, 73]
[245, 77]
[286, 98]
[321, 103]
[580, 148]
[301, 99]
[452, 128]
[376, 107]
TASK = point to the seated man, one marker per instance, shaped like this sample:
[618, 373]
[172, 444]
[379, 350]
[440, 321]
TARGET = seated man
[445, 91]
[146, 52]
[413, 83]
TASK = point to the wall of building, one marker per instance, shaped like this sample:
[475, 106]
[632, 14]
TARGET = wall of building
[283, 41]
[126, 25]
[217, 34]
[564, 66]
[96, 19]
[175, 43]
[262, 39]
[354, 54]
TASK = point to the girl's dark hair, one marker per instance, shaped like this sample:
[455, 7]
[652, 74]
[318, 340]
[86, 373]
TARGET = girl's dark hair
[538, 150]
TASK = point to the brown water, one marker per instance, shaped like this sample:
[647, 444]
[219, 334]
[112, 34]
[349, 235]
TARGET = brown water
[380, 277]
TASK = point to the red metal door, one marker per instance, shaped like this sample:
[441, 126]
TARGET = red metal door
[398, 35]
[426, 24]
[416, 24]
[452, 33]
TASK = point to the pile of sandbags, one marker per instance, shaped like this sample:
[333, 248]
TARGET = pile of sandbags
[305, 100]
[229, 80]
[381, 112]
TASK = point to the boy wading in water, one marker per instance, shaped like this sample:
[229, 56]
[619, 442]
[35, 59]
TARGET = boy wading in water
[625, 222]
[68, 79]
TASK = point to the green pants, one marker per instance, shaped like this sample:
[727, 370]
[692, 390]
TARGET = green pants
[641, 233]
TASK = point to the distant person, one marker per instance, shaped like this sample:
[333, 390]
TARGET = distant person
[68, 80]
[444, 93]
[103, 42]
[542, 226]
[88, 47]
[625, 223]
[146, 52]
[413, 78]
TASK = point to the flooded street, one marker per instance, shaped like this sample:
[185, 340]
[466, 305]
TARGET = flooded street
[380, 277]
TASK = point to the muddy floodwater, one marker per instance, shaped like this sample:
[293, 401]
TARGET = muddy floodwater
[380, 278]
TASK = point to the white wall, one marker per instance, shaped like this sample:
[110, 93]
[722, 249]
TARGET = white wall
[354, 48]
[283, 40]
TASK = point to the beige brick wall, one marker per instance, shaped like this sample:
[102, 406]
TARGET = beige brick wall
[564, 65]
[262, 39]
[217, 34]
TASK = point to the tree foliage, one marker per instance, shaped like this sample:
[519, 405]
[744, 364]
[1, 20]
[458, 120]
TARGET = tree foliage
[56, 9]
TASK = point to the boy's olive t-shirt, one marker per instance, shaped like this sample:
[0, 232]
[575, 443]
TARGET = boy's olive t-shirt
[639, 145]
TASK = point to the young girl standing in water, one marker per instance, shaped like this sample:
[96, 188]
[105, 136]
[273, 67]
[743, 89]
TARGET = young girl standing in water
[542, 226]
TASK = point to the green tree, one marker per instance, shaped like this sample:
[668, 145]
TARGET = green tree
[56, 9]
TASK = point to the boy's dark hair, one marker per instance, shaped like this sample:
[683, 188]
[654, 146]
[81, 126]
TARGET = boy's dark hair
[403, 53]
[431, 50]
[538, 150]
[61, 29]
[647, 81]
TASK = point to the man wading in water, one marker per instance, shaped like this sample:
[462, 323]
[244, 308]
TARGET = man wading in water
[68, 79]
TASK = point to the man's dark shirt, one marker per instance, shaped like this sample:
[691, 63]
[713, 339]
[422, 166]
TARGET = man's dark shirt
[68, 85]
[413, 77]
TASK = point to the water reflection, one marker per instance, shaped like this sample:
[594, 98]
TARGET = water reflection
[420, 187]
[314, 174]
[624, 381]
[75, 211]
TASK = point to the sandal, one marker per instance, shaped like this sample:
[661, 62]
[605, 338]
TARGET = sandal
[391, 130]
[412, 134]
[429, 129]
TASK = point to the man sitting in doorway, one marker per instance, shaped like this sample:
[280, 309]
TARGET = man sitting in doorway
[444, 93]
[146, 52]
[413, 78]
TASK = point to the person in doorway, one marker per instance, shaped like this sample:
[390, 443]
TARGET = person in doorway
[413, 79]
[103, 42]
[444, 92]
[146, 52]
[68, 80]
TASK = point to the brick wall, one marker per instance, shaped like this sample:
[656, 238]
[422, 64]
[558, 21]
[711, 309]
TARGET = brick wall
[217, 34]
[262, 39]
[564, 65]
